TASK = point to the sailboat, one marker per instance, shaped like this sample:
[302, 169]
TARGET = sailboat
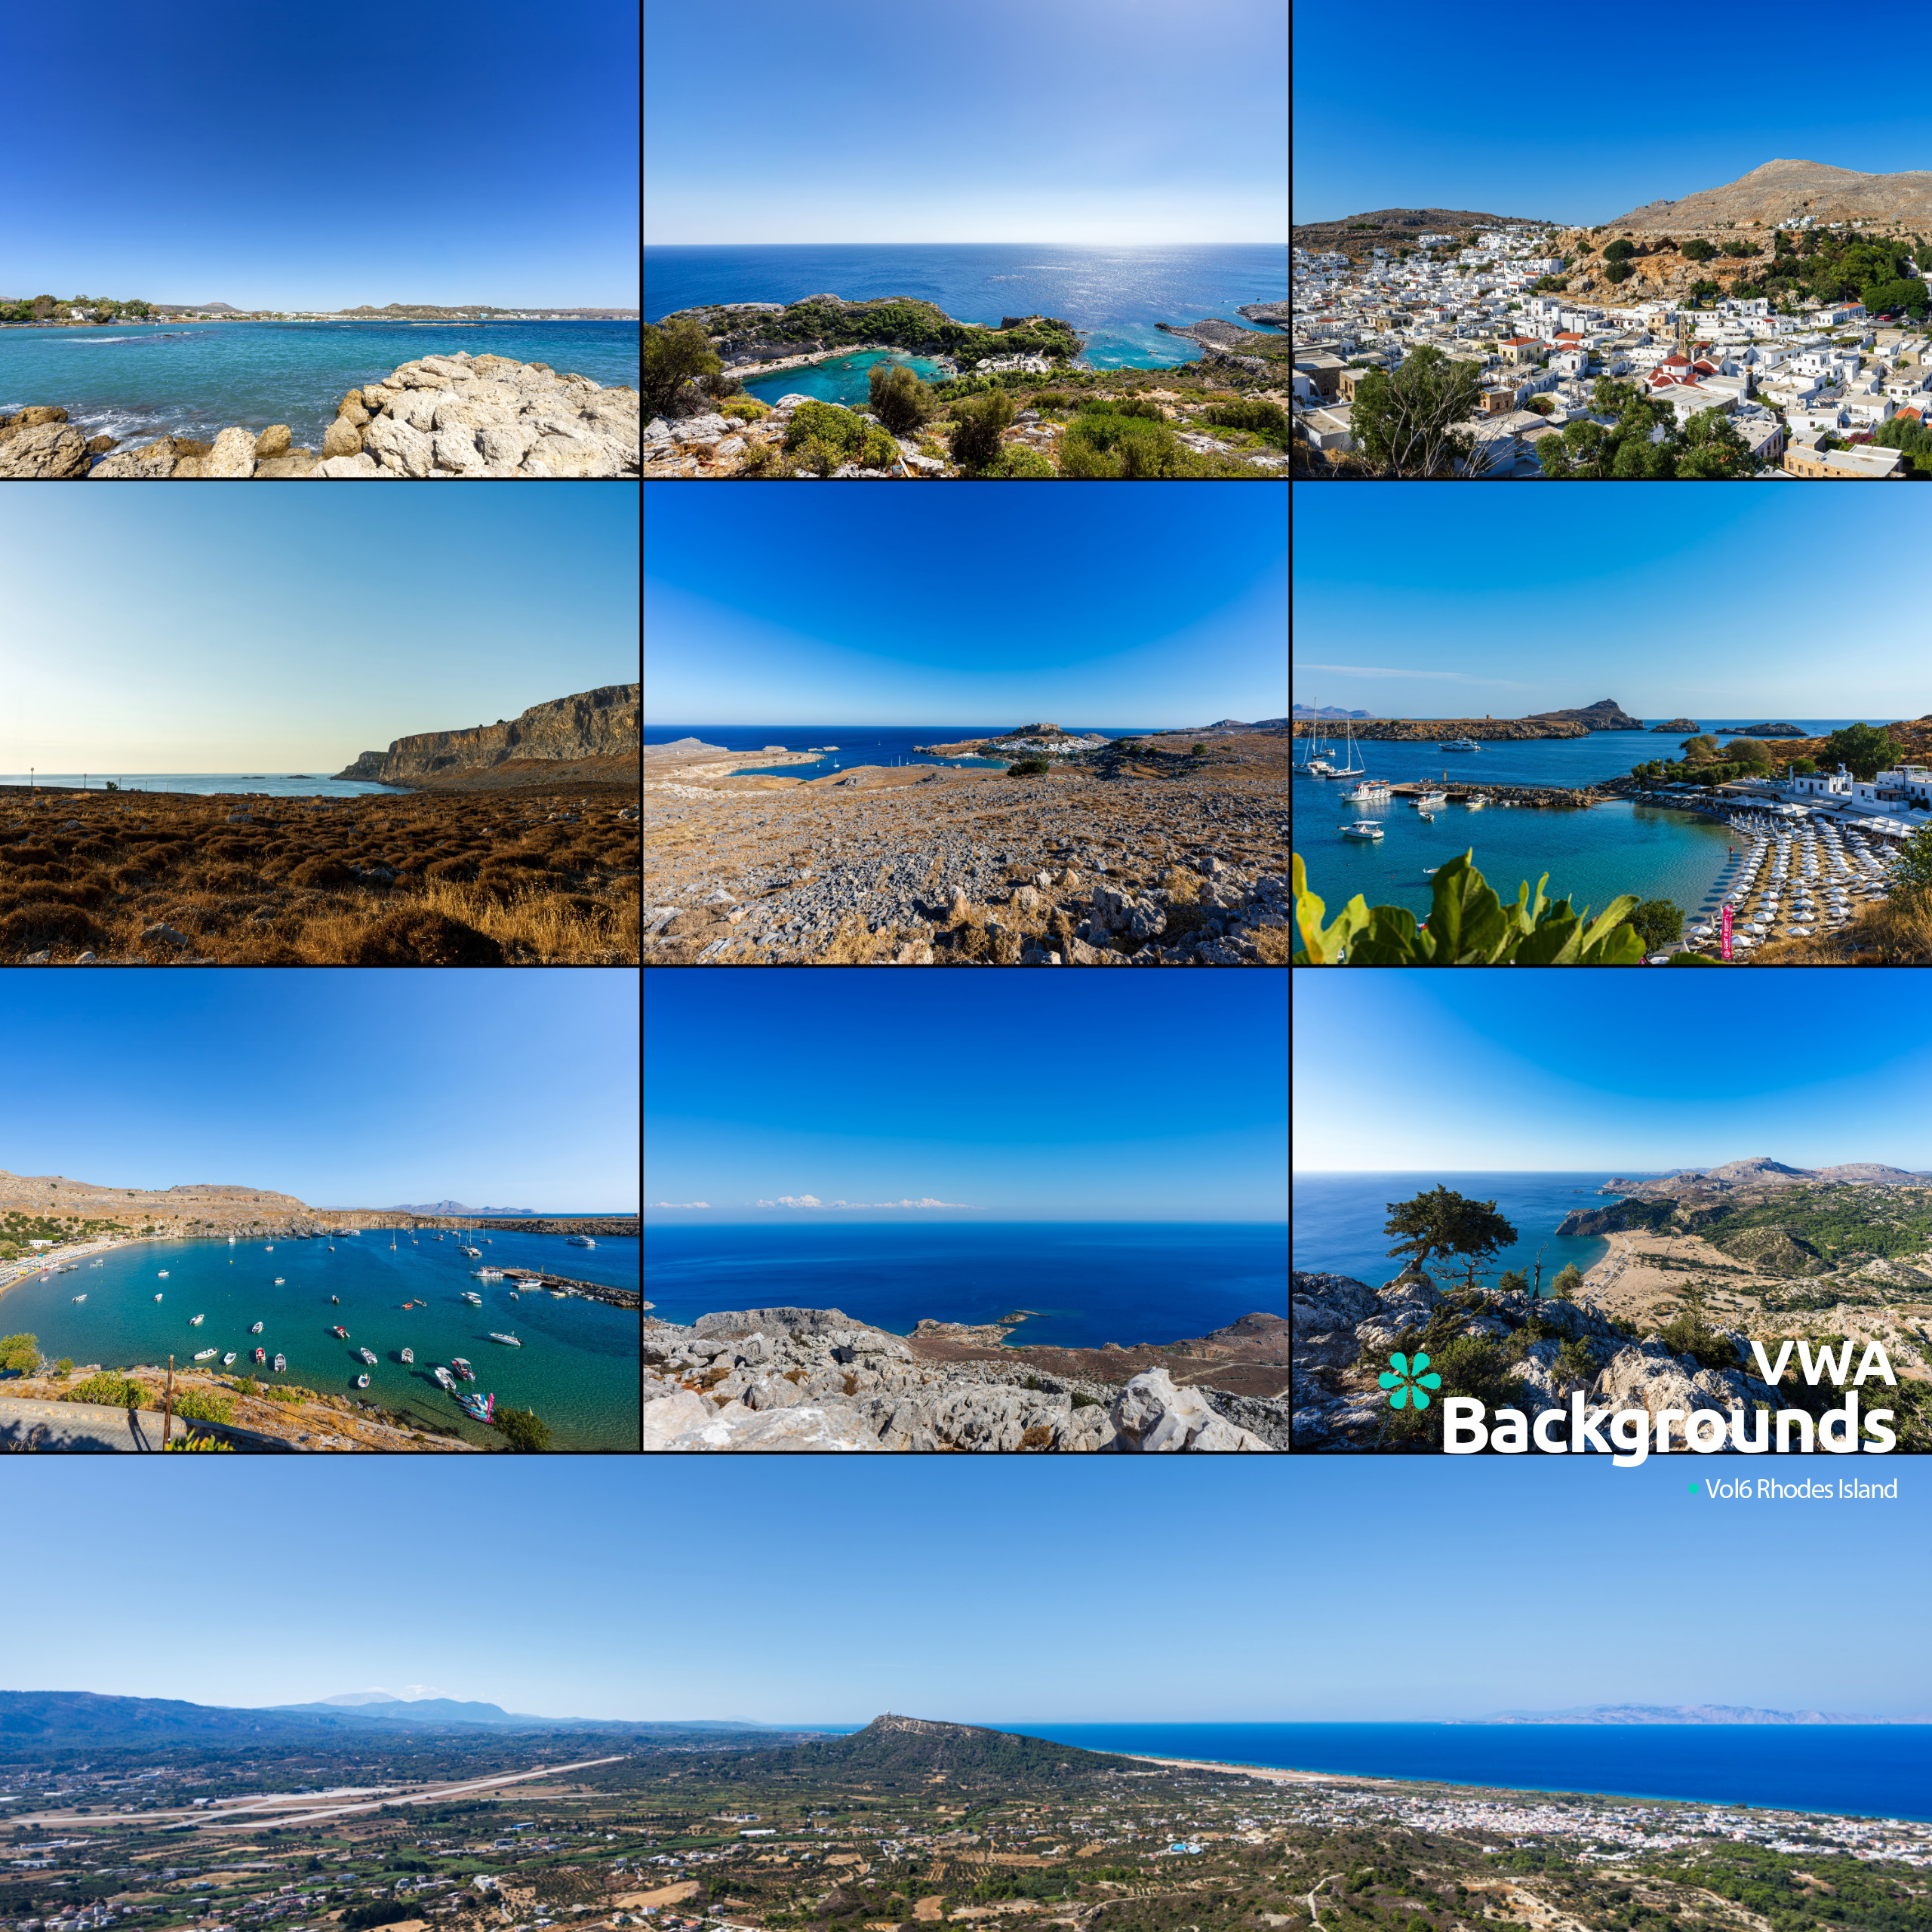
[1354, 768]
[1315, 762]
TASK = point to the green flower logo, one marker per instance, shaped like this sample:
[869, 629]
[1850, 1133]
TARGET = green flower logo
[1406, 1381]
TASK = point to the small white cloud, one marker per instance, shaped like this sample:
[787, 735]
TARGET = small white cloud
[683, 1203]
[800, 1201]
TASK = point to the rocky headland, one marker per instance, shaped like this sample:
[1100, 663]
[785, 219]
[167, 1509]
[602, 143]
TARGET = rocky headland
[1122, 857]
[1258, 352]
[763, 1379]
[777, 334]
[1679, 724]
[605, 725]
[442, 416]
[1606, 714]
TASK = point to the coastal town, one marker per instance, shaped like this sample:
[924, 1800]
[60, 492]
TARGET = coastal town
[1805, 386]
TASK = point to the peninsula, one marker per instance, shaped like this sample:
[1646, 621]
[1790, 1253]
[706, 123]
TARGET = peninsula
[1606, 714]
[441, 416]
[594, 735]
[1141, 851]
[789, 1378]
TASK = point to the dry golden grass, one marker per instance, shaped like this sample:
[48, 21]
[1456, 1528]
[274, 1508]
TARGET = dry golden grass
[536, 877]
[1896, 932]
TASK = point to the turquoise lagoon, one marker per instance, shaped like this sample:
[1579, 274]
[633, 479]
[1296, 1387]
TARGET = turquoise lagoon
[578, 1367]
[846, 381]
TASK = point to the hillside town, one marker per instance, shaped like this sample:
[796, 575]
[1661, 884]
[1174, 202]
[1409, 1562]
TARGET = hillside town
[1805, 390]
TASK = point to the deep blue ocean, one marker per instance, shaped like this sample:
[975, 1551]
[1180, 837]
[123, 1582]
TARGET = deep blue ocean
[1113, 296]
[1088, 1283]
[1871, 1770]
[858, 744]
[1591, 856]
[1338, 1217]
[140, 380]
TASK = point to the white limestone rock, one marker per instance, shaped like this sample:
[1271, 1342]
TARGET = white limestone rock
[397, 447]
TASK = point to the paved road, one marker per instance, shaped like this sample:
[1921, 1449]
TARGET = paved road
[83, 1427]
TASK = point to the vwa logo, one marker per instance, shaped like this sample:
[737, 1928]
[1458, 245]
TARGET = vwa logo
[1407, 1382]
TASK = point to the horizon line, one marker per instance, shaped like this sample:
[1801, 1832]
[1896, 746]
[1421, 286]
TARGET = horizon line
[989, 244]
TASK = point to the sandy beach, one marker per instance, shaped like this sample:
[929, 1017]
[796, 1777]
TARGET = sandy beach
[1278, 1774]
[21, 1271]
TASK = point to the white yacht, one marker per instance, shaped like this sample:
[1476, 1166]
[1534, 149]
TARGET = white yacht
[281, 1363]
[1362, 828]
[1458, 745]
[509, 1341]
[409, 1355]
[206, 1354]
[255, 1328]
[228, 1360]
[1432, 802]
[1369, 792]
[584, 1240]
[472, 1297]
[195, 1320]
[489, 1274]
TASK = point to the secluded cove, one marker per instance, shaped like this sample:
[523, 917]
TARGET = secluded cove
[844, 379]
[576, 1366]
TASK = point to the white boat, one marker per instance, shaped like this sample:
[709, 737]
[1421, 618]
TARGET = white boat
[1351, 767]
[157, 1297]
[268, 1248]
[1362, 828]
[80, 1297]
[162, 1276]
[584, 1240]
[1315, 762]
[1371, 791]
[409, 1355]
[228, 1360]
[477, 1251]
[207, 1354]
[445, 1378]
[1430, 801]
[1475, 803]
[367, 1356]
[489, 1274]
[1428, 818]
[279, 1281]
[472, 1297]
[362, 1382]
[1458, 745]
[195, 1320]
[281, 1363]
[231, 1241]
[509, 1341]
[463, 1368]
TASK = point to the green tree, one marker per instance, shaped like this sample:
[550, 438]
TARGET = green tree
[674, 355]
[1714, 451]
[1513, 1282]
[1697, 251]
[1569, 1279]
[899, 399]
[19, 1354]
[523, 1429]
[1657, 922]
[1618, 272]
[1743, 251]
[1442, 1221]
[1620, 251]
[976, 425]
[1863, 751]
[1753, 753]
[1904, 296]
[42, 307]
[1580, 452]
[1414, 422]
[1911, 870]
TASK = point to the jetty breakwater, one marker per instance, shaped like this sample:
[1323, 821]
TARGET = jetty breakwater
[440, 416]
[1557, 796]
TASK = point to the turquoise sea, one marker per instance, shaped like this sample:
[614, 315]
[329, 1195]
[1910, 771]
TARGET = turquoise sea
[846, 381]
[857, 744]
[1591, 855]
[1339, 1217]
[1113, 296]
[578, 1367]
[140, 381]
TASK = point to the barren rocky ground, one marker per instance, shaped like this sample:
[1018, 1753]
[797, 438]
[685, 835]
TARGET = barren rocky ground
[813, 1378]
[1165, 859]
[545, 875]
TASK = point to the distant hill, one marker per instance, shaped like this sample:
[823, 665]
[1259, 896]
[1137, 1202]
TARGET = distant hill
[1787, 190]
[1421, 221]
[435, 1710]
[449, 1207]
[1606, 714]
[1760, 1171]
[1329, 711]
[57, 1716]
[1687, 1713]
[924, 1752]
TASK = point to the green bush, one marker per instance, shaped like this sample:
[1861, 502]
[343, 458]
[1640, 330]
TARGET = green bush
[718, 382]
[1049, 399]
[1028, 767]
[673, 357]
[821, 436]
[745, 409]
[525, 1430]
[758, 458]
[899, 400]
[1265, 419]
[1107, 441]
[1620, 251]
[204, 1405]
[1133, 406]
[115, 1391]
[976, 425]
[1697, 251]
[20, 1353]
[1618, 272]
[1019, 461]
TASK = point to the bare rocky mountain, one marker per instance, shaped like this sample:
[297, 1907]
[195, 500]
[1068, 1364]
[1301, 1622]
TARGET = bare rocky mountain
[1606, 714]
[1785, 190]
[1760, 1171]
[1687, 1713]
[603, 725]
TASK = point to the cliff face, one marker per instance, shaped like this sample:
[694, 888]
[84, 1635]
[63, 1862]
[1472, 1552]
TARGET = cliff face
[605, 723]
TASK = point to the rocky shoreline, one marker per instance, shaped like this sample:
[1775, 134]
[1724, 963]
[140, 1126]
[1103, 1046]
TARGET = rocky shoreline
[441, 416]
[781, 1379]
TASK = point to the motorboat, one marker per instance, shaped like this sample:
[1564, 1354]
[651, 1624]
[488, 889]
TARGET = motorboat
[560, 1294]
[584, 1240]
[336, 1300]
[476, 1251]
[362, 1381]
[444, 1379]
[1428, 818]
[231, 1241]
[409, 1355]
[472, 1297]
[508, 1341]
[489, 1274]
[1460, 745]
[279, 1281]
[268, 1248]
[228, 1360]
[157, 1297]
[1475, 803]
[255, 1328]
[1362, 828]
[281, 1363]
[195, 1320]
[261, 1356]
[367, 1357]
[463, 1368]
[206, 1354]
[339, 1332]
[1430, 800]
[80, 1297]
[162, 1276]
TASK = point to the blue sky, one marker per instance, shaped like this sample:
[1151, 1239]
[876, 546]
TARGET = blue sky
[363, 1089]
[1419, 604]
[270, 630]
[1401, 112]
[1134, 608]
[803, 1090]
[1440, 1546]
[297, 156]
[1095, 122]
[1563, 1072]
